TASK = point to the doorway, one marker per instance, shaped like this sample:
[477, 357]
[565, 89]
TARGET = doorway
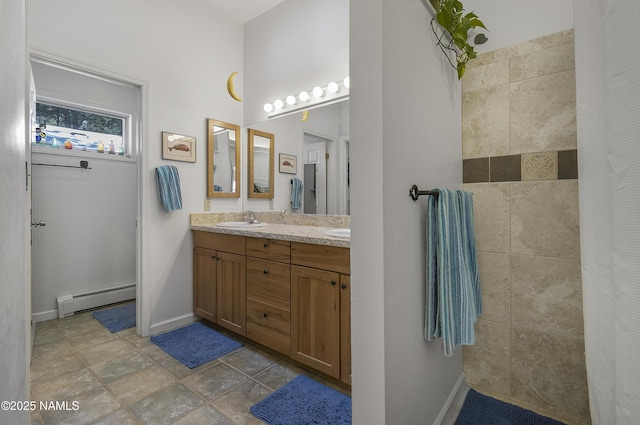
[85, 196]
[316, 178]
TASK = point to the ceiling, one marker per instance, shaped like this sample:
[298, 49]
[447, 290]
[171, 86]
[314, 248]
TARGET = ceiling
[243, 10]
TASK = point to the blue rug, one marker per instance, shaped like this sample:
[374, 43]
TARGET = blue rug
[195, 344]
[304, 401]
[118, 318]
[481, 409]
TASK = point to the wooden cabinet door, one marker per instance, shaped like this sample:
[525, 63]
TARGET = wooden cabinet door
[315, 319]
[345, 329]
[232, 291]
[204, 283]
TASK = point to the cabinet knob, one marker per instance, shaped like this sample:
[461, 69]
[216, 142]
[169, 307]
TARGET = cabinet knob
[265, 244]
[333, 283]
[265, 271]
[343, 286]
[265, 314]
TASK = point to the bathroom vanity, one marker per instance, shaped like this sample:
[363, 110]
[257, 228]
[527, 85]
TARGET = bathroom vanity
[283, 286]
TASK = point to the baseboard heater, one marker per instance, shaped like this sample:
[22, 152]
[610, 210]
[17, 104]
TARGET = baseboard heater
[69, 304]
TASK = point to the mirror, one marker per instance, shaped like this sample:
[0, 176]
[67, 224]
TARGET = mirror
[223, 159]
[260, 164]
[321, 137]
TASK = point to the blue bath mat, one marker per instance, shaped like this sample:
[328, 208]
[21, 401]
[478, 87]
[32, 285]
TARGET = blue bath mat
[304, 401]
[481, 409]
[118, 318]
[195, 344]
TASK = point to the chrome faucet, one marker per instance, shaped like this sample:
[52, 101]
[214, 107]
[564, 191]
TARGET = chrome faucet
[250, 218]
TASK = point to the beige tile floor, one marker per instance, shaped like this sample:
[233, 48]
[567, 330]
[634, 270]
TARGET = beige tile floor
[121, 378]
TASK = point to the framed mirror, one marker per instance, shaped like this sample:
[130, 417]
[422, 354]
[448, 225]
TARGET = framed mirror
[223, 159]
[260, 164]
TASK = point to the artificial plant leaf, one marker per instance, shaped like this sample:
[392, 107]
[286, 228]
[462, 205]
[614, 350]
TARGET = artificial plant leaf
[469, 50]
[448, 6]
[461, 67]
[480, 39]
[459, 38]
[444, 19]
[465, 25]
[475, 22]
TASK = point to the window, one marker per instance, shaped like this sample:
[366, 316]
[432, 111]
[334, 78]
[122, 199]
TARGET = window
[60, 127]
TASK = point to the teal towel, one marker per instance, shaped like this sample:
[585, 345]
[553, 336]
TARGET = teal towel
[296, 193]
[168, 187]
[453, 299]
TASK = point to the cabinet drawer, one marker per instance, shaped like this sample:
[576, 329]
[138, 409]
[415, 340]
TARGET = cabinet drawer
[269, 325]
[269, 249]
[321, 257]
[269, 281]
[220, 242]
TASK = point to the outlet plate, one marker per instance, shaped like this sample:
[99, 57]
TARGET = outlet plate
[207, 204]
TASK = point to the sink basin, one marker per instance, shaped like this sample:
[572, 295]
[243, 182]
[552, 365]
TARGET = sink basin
[339, 233]
[241, 224]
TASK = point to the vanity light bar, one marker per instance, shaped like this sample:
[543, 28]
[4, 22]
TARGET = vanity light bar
[319, 96]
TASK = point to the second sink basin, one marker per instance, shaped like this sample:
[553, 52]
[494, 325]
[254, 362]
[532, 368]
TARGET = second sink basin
[339, 233]
[240, 224]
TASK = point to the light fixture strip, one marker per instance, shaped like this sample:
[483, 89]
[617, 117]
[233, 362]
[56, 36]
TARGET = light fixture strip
[318, 96]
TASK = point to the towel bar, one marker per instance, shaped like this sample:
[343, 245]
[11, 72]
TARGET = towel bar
[83, 164]
[414, 192]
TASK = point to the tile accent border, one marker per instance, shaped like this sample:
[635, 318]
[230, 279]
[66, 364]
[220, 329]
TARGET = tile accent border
[539, 166]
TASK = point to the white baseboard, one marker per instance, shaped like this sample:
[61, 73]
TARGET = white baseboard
[452, 396]
[173, 323]
[45, 315]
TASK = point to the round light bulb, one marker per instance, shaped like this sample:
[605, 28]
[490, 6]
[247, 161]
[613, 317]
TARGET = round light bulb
[268, 107]
[304, 96]
[347, 82]
[291, 100]
[279, 104]
[318, 92]
[333, 87]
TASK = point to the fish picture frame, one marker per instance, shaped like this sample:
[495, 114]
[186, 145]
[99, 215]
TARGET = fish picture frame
[288, 163]
[178, 147]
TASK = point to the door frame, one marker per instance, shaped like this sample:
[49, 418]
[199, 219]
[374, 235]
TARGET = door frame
[330, 168]
[143, 298]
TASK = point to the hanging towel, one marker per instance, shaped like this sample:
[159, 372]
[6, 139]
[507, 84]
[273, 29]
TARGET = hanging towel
[296, 193]
[453, 300]
[168, 187]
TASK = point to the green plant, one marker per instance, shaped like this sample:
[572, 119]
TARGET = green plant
[451, 16]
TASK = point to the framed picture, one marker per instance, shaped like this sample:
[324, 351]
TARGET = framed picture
[178, 147]
[288, 164]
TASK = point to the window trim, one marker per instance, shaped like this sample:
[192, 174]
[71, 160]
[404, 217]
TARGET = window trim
[130, 146]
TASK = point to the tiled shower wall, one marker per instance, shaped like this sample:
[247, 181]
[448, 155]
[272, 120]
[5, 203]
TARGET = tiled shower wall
[520, 162]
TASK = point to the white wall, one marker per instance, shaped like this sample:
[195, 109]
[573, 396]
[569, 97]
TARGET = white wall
[513, 21]
[14, 304]
[405, 129]
[183, 52]
[293, 47]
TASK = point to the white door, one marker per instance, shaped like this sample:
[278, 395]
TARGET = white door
[315, 152]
